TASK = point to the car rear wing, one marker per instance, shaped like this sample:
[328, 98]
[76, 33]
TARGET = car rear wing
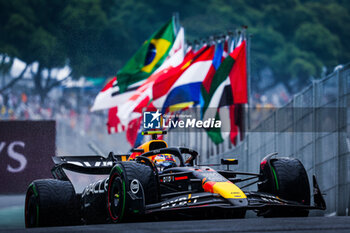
[94, 164]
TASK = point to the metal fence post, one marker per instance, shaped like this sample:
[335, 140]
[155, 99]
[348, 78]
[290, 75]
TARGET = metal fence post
[275, 130]
[294, 127]
[314, 105]
[340, 203]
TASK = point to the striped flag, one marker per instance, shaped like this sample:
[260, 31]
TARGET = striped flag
[185, 89]
[214, 66]
[228, 88]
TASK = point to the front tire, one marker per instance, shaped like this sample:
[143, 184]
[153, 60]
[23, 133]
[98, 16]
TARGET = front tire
[290, 182]
[120, 182]
[116, 195]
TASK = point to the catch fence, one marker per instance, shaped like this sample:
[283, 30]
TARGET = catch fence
[313, 127]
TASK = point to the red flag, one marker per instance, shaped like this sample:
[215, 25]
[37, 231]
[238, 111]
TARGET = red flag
[233, 126]
[238, 75]
[225, 53]
[110, 97]
[133, 128]
[134, 125]
[114, 125]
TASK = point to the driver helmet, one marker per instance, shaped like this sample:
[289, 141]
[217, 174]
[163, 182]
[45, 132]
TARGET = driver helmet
[163, 161]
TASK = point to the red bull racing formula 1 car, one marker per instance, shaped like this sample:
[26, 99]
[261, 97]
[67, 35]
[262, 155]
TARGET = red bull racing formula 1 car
[160, 182]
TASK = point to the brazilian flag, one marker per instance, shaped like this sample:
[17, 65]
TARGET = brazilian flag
[148, 58]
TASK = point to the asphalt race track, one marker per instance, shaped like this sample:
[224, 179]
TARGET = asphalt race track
[311, 224]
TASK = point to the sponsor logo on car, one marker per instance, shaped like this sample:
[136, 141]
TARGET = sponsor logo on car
[134, 186]
[180, 202]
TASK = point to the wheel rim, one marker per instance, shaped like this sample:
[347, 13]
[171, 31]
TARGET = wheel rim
[116, 198]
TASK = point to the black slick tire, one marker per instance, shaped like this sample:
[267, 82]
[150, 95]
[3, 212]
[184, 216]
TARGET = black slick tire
[120, 179]
[291, 183]
[51, 202]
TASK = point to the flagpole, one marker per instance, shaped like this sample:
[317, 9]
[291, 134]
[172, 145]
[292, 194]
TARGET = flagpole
[229, 41]
[249, 105]
[176, 20]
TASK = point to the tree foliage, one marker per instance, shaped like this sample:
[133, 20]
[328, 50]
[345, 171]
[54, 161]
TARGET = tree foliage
[294, 38]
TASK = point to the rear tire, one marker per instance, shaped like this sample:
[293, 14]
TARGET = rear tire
[51, 202]
[291, 183]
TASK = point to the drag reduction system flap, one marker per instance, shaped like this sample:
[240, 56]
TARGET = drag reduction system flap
[94, 164]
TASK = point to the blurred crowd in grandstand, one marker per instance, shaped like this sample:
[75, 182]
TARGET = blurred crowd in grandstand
[67, 105]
